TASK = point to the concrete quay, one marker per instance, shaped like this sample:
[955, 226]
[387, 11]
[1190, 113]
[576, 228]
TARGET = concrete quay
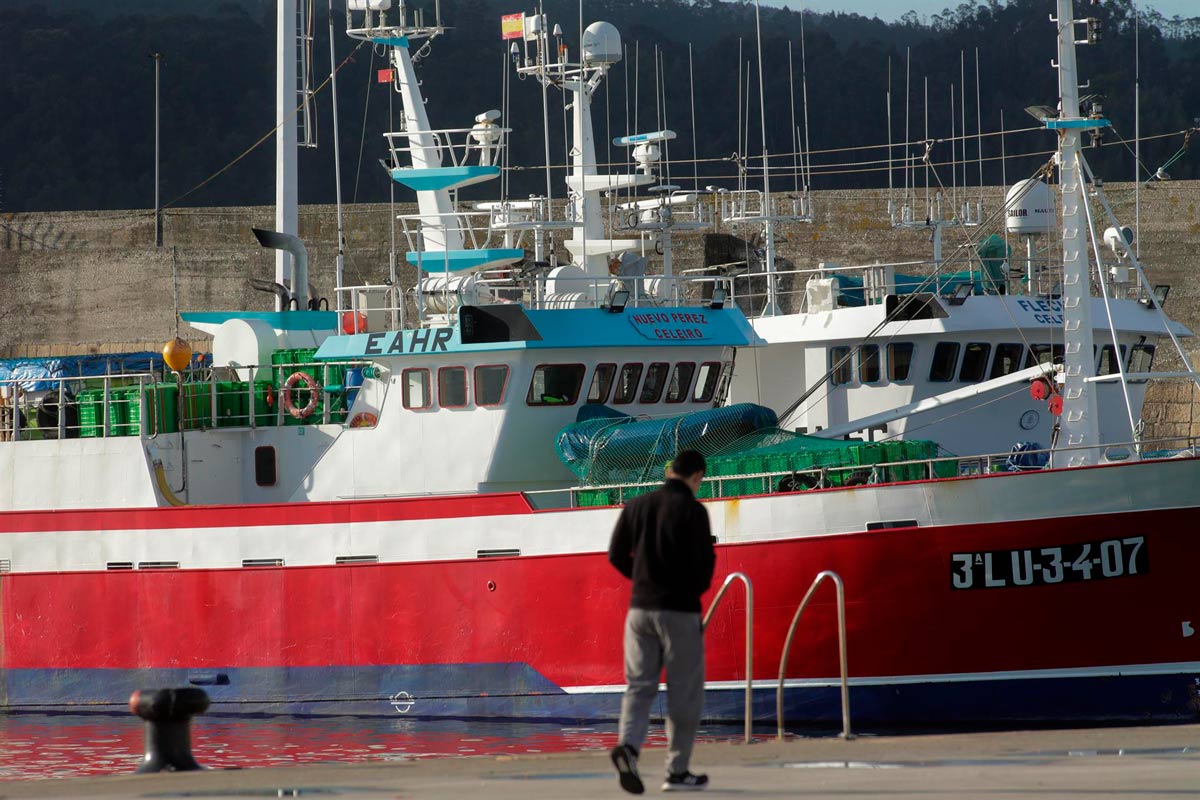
[1136, 762]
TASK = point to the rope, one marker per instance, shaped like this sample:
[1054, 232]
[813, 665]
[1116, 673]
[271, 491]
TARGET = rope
[265, 136]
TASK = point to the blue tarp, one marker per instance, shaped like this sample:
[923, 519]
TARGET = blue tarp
[33, 374]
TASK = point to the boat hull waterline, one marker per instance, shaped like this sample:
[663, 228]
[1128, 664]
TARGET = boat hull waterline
[1062, 608]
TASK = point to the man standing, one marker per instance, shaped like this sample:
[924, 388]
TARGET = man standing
[663, 544]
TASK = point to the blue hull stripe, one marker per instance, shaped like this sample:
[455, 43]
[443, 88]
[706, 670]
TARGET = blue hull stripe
[515, 691]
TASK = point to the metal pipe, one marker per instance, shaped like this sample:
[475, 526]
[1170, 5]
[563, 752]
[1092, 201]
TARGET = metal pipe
[787, 646]
[749, 720]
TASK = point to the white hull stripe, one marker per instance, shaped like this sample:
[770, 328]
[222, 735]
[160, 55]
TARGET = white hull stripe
[1125, 670]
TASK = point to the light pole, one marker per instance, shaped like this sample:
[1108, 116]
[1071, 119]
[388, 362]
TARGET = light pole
[158, 226]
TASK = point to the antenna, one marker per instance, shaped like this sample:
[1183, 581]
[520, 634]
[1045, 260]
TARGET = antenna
[792, 101]
[909, 183]
[695, 137]
[891, 199]
[979, 132]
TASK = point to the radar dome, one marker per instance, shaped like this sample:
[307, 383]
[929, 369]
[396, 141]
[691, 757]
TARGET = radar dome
[601, 44]
[1030, 205]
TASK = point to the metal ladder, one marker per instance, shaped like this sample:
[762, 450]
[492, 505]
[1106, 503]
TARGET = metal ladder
[740, 576]
[306, 127]
[787, 646]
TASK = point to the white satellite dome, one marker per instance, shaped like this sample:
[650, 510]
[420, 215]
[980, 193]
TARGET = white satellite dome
[1030, 205]
[601, 44]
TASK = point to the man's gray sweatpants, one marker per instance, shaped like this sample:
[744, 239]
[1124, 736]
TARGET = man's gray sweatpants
[654, 640]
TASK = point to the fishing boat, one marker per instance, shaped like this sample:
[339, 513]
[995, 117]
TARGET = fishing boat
[379, 513]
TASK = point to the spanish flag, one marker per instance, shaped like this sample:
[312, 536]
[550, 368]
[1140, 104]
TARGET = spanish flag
[512, 26]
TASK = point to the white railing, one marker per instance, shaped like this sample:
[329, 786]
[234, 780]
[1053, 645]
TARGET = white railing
[740, 576]
[787, 648]
[153, 403]
[459, 145]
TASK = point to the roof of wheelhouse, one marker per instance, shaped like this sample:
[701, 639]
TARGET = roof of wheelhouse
[511, 327]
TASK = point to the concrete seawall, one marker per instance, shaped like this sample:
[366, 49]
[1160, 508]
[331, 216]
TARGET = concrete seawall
[93, 281]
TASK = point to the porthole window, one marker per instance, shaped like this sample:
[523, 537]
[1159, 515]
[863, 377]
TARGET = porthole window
[415, 385]
[452, 387]
[602, 381]
[555, 385]
[627, 384]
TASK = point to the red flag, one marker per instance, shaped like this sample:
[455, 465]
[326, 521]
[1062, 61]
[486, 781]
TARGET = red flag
[386, 75]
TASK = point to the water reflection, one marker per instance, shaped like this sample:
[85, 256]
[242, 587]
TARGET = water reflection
[53, 745]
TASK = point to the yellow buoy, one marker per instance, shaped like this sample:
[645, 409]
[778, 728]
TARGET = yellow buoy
[177, 354]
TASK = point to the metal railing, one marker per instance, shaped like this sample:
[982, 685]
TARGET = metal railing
[730, 578]
[787, 646]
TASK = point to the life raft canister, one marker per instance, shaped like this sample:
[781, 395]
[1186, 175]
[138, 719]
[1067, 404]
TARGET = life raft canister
[287, 395]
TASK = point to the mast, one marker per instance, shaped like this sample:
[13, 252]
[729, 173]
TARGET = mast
[286, 216]
[1079, 423]
[769, 223]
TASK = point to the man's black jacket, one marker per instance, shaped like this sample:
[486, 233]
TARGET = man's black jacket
[663, 543]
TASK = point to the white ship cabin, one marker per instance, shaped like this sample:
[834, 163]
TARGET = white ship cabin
[413, 412]
[856, 357]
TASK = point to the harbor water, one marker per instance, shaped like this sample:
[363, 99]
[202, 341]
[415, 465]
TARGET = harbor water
[35, 746]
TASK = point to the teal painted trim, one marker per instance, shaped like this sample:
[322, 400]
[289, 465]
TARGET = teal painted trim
[462, 260]
[279, 320]
[433, 179]
[1076, 124]
[640, 138]
[393, 41]
[565, 329]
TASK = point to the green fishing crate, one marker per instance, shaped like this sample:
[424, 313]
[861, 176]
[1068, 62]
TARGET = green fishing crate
[162, 408]
[197, 406]
[91, 413]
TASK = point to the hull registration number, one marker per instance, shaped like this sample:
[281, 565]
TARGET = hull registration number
[1042, 566]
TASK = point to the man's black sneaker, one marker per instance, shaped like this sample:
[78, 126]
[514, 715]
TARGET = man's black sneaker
[685, 782]
[625, 758]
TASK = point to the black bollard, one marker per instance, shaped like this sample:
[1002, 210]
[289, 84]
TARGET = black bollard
[168, 714]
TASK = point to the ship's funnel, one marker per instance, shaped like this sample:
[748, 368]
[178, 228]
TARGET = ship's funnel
[275, 240]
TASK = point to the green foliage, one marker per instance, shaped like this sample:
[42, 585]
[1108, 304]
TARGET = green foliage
[76, 91]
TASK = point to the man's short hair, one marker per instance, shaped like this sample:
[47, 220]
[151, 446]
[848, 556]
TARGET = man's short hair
[688, 462]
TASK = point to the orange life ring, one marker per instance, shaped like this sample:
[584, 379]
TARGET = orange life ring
[364, 419]
[287, 395]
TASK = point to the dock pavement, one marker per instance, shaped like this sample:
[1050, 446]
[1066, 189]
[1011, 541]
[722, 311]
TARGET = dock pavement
[1135, 762]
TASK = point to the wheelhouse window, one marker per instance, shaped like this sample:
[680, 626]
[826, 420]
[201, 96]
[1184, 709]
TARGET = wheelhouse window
[723, 385]
[706, 382]
[1007, 360]
[1044, 354]
[627, 384]
[1141, 360]
[899, 361]
[1108, 360]
[974, 362]
[490, 383]
[945, 359]
[452, 387]
[555, 385]
[681, 381]
[602, 381]
[841, 365]
[415, 388]
[868, 363]
[656, 381]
